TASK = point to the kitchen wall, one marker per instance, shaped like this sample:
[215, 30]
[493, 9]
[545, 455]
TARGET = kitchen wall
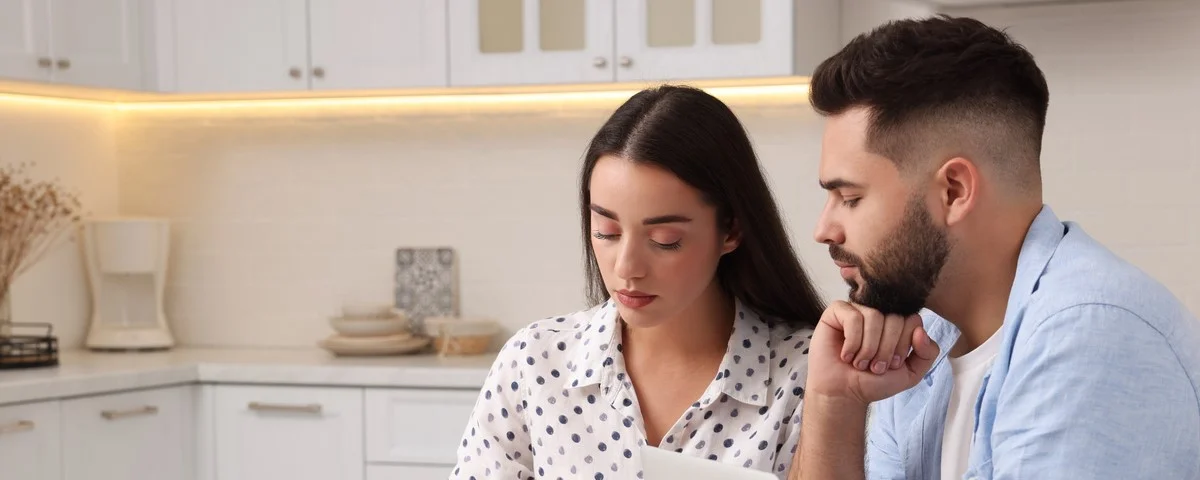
[284, 213]
[75, 144]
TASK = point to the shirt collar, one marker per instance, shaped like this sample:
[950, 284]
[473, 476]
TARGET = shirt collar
[744, 373]
[1041, 241]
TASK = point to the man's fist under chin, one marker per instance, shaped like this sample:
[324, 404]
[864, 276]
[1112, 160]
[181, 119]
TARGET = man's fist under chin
[860, 354]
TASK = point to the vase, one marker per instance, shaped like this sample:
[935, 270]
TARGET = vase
[5, 313]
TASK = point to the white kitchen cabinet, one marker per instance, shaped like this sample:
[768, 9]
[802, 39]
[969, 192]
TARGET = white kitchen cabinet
[238, 45]
[416, 426]
[297, 433]
[29, 441]
[664, 40]
[91, 43]
[97, 43]
[136, 435]
[514, 42]
[506, 42]
[290, 45]
[25, 40]
[408, 472]
[377, 44]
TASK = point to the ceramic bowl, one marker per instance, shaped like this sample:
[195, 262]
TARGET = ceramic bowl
[369, 310]
[369, 327]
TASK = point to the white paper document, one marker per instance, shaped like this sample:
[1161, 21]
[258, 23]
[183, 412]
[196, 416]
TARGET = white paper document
[659, 464]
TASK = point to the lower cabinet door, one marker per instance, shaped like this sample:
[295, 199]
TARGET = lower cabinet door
[293, 433]
[137, 435]
[29, 441]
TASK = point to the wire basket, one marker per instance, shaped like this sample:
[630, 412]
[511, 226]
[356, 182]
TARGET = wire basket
[28, 350]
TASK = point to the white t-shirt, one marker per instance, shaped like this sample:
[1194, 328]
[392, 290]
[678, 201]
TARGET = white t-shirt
[968, 371]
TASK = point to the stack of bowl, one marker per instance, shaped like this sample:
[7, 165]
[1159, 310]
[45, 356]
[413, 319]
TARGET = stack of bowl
[369, 330]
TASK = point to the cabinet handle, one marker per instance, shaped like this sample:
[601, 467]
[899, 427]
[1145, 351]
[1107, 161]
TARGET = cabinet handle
[294, 72]
[45, 62]
[18, 426]
[318, 72]
[63, 64]
[116, 414]
[626, 62]
[600, 62]
[276, 407]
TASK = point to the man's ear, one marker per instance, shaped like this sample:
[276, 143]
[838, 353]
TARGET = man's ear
[960, 182]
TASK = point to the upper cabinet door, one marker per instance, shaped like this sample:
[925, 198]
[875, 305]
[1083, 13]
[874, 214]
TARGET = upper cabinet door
[25, 40]
[522, 42]
[241, 46]
[664, 40]
[371, 44]
[97, 43]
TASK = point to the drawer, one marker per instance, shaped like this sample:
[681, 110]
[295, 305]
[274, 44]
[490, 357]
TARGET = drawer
[416, 426]
[408, 472]
[29, 441]
[136, 435]
[288, 432]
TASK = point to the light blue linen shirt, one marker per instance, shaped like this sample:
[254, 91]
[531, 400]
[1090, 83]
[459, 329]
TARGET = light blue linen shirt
[1096, 377]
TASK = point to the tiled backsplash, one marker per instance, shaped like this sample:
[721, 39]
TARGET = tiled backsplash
[281, 215]
[73, 144]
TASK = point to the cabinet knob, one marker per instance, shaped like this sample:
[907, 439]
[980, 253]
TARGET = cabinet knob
[294, 72]
[63, 64]
[600, 62]
[45, 62]
[18, 426]
[626, 62]
[318, 72]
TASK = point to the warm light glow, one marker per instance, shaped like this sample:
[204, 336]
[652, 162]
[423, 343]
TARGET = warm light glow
[54, 102]
[516, 98]
[490, 99]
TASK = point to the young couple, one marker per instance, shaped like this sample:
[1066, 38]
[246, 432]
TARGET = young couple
[991, 339]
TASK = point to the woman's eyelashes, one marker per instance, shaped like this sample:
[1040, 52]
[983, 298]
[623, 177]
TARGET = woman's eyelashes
[659, 243]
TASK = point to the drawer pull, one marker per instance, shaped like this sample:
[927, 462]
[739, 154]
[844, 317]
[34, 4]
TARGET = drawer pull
[116, 414]
[18, 426]
[277, 407]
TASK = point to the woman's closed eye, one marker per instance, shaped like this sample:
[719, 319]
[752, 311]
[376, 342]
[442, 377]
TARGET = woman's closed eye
[664, 243]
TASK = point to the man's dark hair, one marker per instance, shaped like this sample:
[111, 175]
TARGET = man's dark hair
[938, 87]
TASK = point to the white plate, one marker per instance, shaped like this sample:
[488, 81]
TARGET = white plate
[372, 346]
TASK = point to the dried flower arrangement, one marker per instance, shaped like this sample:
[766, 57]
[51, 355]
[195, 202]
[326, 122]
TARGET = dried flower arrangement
[34, 217]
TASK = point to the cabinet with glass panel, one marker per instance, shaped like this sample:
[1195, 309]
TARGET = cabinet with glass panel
[513, 42]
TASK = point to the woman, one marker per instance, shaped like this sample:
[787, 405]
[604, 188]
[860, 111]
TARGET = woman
[698, 337]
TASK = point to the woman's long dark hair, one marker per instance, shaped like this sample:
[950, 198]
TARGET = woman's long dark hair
[699, 139]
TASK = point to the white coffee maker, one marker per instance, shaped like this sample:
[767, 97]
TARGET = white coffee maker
[127, 266]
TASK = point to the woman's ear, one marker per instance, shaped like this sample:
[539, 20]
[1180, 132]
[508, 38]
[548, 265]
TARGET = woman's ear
[733, 238]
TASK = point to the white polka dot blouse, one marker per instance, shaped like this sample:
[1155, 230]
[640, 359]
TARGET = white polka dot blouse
[557, 403]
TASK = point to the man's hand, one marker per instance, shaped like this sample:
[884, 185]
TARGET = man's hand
[857, 356]
[860, 354]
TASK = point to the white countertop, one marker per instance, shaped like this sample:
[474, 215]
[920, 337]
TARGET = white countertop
[83, 372]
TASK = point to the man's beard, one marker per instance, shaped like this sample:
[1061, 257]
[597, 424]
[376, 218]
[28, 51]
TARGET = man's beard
[898, 278]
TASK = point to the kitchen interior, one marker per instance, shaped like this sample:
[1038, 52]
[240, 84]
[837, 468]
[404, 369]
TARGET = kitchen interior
[297, 231]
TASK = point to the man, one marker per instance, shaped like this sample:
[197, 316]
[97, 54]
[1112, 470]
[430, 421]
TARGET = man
[1042, 355]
